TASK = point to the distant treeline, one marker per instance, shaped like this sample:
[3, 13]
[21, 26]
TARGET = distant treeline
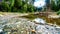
[24, 6]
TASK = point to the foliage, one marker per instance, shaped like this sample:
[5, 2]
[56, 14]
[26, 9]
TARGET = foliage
[23, 6]
[4, 6]
[17, 6]
[58, 12]
[54, 6]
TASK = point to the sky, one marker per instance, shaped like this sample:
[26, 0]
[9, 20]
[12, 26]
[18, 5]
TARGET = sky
[39, 3]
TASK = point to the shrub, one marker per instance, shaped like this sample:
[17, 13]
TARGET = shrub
[58, 12]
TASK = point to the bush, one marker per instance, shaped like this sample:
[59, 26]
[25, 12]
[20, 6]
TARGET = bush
[58, 12]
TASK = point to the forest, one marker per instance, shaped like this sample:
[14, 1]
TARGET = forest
[29, 16]
[27, 6]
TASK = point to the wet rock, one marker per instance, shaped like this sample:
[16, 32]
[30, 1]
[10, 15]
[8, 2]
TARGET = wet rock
[39, 20]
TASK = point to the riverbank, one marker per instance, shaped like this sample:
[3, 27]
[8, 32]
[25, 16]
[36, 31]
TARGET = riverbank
[30, 16]
[22, 24]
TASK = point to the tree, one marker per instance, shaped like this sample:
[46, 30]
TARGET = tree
[5, 6]
[55, 5]
[11, 5]
[17, 6]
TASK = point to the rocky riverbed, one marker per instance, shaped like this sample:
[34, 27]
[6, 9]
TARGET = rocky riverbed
[12, 24]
